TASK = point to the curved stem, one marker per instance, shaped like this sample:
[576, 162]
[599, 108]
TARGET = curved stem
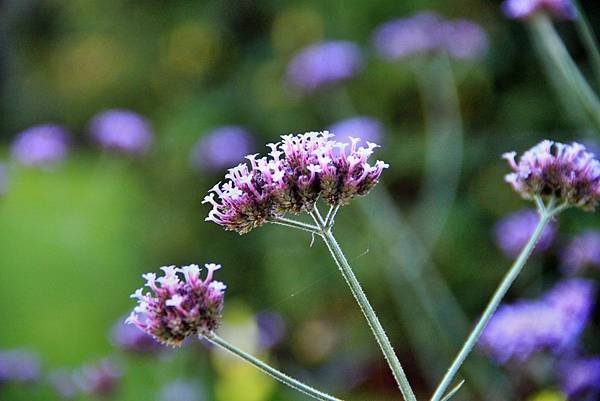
[545, 216]
[269, 370]
[366, 308]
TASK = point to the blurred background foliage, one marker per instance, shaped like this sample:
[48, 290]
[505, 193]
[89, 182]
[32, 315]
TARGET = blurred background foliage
[74, 239]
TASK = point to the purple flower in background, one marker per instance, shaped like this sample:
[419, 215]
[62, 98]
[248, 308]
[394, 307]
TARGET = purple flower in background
[580, 378]
[523, 9]
[63, 382]
[221, 148]
[513, 232]
[100, 379]
[178, 309]
[464, 39]
[581, 251]
[551, 169]
[271, 329]
[554, 322]
[121, 130]
[19, 366]
[182, 390]
[366, 128]
[324, 63]
[130, 338]
[41, 145]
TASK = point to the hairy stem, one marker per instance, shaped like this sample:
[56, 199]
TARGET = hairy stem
[269, 370]
[546, 215]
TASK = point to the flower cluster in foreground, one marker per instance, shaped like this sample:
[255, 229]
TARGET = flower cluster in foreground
[552, 169]
[298, 170]
[176, 309]
[523, 9]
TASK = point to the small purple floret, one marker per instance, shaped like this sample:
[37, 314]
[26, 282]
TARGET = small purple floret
[568, 173]
[324, 63]
[41, 145]
[513, 232]
[221, 148]
[367, 129]
[121, 130]
[176, 309]
[523, 9]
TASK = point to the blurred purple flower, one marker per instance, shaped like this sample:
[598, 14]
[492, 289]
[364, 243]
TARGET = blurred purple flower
[581, 251]
[366, 128]
[523, 9]
[100, 379]
[121, 130]
[63, 382]
[513, 232]
[132, 339]
[554, 322]
[271, 329]
[580, 378]
[221, 148]
[19, 366]
[324, 63]
[426, 33]
[182, 390]
[41, 145]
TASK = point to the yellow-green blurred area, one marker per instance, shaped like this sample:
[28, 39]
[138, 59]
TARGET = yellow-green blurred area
[75, 238]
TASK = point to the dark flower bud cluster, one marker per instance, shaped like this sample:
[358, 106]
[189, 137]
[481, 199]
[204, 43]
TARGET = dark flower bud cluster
[299, 170]
[176, 309]
[568, 173]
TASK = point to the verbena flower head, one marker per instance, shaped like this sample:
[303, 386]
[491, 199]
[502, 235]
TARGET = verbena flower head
[175, 309]
[513, 232]
[582, 251]
[324, 63]
[580, 378]
[427, 33]
[552, 169]
[19, 366]
[298, 170]
[41, 145]
[121, 130]
[221, 148]
[553, 323]
[131, 339]
[368, 129]
[523, 9]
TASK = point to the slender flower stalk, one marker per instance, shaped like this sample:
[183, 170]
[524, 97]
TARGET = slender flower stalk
[269, 370]
[546, 216]
[586, 33]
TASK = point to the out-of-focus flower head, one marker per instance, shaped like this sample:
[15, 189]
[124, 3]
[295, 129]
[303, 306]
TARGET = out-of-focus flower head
[129, 338]
[101, 379]
[368, 129]
[299, 170]
[41, 145]
[523, 9]
[271, 329]
[64, 384]
[176, 309]
[221, 148]
[121, 130]
[513, 232]
[182, 390]
[427, 33]
[324, 63]
[19, 366]
[552, 169]
[554, 322]
[580, 378]
[582, 251]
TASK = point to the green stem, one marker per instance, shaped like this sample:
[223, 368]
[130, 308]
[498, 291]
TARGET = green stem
[295, 224]
[366, 308]
[545, 216]
[587, 36]
[269, 370]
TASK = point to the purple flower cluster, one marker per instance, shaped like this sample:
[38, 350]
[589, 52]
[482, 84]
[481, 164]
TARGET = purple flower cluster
[368, 129]
[523, 9]
[552, 323]
[41, 145]
[177, 309]
[324, 63]
[221, 148]
[581, 251]
[121, 130]
[513, 232]
[18, 366]
[312, 166]
[552, 169]
[580, 378]
[427, 33]
[130, 339]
